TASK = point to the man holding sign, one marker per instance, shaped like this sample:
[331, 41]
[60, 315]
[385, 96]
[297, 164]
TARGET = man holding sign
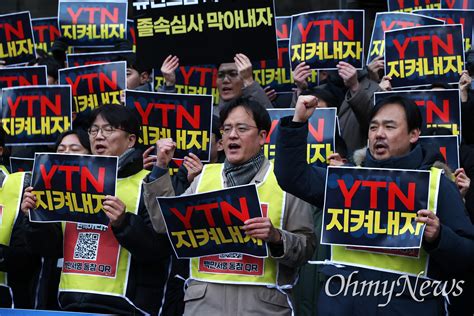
[447, 250]
[287, 228]
[119, 268]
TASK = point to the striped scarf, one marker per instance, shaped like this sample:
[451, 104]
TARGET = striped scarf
[244, 173]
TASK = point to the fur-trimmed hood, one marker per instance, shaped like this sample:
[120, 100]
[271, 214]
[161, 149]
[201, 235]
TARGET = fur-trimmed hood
[420, 157]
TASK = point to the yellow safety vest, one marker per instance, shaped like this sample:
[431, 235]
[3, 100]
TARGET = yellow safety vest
[86, 258]
[236, 268]
[10, 199]
[386, 262]
[4, 169]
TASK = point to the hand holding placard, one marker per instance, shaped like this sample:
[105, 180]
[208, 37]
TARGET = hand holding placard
[29, 201]
[262, 228]
[432, 224]
[301, 74]
[115, 209]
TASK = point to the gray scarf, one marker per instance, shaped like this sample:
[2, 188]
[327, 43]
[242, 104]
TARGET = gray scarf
[244, 173]
[124, 157]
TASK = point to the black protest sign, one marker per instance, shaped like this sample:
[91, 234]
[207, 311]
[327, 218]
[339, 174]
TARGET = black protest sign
[374, 207]
[35, 115]
[410, 5]
[457, 4]
[463, 17]
[277, 73]
[283, 27]
[92, 23]
[448, 146]
[201, 32]
[23, 76]
[72, 188]
[174, 165]
[210, 223]
[184, 118]
[17, 44]
[387, 21]
[84, 59]
[424, 55]
[324, 38]
[94, 85]
[439, 108]
[197, 79]
[46, 31]
[322, 129]
[18, 164]
[131, 34]
[283, 100]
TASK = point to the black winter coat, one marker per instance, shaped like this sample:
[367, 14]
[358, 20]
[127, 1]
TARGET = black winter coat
[451, 255]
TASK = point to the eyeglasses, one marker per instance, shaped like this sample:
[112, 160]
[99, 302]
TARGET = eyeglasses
[231, 73]
[240, 129]
[106, 130]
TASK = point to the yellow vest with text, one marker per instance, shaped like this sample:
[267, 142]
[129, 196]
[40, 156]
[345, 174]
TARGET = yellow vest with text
[269, 193]
[10, 199]
[129, 192]
[391, 263]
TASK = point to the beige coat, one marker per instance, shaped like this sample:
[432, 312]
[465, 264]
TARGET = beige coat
[212, 299]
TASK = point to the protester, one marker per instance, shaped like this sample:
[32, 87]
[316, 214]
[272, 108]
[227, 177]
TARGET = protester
[245, 125]
[73, 142]
[19, 268]
[234, 80]
[52, 65]
[70, 142]
[138, 78]
[353, 111]
[394, 129]
[113, 131]
[151, 280]
[462, 305]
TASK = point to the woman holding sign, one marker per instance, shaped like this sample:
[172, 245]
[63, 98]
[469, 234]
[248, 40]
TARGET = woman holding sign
[120, 268]
[70, 142]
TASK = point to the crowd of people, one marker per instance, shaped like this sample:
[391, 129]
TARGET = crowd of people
[150, 279]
